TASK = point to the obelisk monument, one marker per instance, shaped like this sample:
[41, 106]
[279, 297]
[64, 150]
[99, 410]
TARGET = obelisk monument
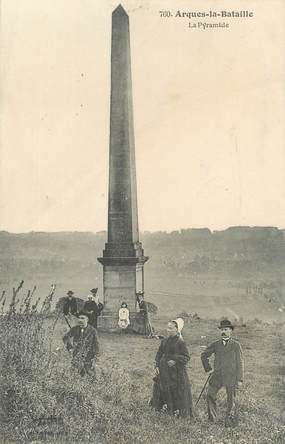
[123, 258]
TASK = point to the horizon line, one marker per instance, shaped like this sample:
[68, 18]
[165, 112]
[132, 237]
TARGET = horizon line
[146, 231]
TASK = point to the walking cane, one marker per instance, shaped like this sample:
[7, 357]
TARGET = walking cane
[66, 320]
[203, 389]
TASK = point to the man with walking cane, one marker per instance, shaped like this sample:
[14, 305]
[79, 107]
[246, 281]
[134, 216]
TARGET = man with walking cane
[228, 372]
[82, 340]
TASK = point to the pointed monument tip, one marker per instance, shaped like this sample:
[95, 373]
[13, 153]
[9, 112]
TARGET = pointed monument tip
[120, 10]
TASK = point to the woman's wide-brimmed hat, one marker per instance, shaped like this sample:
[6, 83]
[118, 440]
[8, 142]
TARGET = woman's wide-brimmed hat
[94, 290]
[225, 323]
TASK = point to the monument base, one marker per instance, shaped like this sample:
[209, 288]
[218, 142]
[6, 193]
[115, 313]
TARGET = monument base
[122, 280]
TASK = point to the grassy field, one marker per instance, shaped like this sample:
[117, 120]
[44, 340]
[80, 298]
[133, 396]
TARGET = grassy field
[209, 296]
[37, 383]
[212, 296]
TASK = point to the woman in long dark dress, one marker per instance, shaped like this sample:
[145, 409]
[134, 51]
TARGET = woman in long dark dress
[93, 310]
[141, 322]
[172, 390]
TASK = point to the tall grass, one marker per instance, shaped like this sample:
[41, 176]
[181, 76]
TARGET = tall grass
[43, 399]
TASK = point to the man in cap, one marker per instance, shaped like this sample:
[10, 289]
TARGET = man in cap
[82, 340]
[228, 371]
[93, 307]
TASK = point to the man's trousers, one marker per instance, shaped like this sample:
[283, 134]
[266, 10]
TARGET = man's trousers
[214, 386]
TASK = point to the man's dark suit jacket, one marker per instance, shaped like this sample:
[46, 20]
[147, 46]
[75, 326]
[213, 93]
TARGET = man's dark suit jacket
[70, 306]
[228, 362]
[84, 343]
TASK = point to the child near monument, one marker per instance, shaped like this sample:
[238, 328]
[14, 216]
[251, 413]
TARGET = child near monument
[124, 320]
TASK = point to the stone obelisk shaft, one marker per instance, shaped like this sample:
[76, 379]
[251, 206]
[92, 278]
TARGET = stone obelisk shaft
[122, 212]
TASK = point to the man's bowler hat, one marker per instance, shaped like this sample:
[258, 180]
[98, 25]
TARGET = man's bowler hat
[70, 292]
[225, 323]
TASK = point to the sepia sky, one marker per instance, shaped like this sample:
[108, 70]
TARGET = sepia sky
[208, 110]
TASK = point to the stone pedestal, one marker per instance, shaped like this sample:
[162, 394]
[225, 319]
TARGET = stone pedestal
[122, 279]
